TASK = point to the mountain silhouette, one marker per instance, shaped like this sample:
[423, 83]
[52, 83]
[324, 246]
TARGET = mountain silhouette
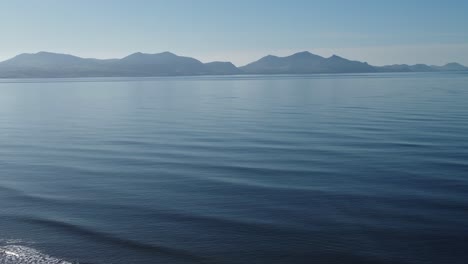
[453, 66]
[54, 65]
[160, 64]
[305, 62]
[223, 68]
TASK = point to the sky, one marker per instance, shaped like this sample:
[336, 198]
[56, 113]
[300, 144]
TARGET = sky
[376, 31]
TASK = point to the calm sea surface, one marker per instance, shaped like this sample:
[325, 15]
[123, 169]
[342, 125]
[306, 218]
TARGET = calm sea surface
[244, 169]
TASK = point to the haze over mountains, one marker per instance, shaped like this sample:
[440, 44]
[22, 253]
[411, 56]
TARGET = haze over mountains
[54, 65]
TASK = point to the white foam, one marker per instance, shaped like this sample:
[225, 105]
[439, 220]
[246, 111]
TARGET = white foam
[12, 254]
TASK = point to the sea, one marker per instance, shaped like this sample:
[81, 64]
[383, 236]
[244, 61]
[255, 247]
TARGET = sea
[280, 169]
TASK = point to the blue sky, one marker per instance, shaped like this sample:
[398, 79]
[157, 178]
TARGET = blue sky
[378, 31]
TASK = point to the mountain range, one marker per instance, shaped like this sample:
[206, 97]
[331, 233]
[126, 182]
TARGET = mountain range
[54, 65]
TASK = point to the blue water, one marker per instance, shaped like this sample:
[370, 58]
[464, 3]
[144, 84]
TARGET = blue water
[245, 169]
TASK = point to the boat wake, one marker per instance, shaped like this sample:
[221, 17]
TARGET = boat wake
[12, 254]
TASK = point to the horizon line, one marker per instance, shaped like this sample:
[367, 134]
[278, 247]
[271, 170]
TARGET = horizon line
[227, 61]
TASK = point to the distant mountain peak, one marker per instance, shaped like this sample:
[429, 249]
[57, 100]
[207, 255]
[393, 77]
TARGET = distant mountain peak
[306, 62]
[167, 53]
[42, 59]
[141, 54]
[220, 62]
[454, 64]
[336, 57]
[221, 67]
[304, 54]
[51, 54]
[136, 55]
[44, 53]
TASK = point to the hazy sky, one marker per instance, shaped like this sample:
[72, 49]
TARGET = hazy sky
[376, 31]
